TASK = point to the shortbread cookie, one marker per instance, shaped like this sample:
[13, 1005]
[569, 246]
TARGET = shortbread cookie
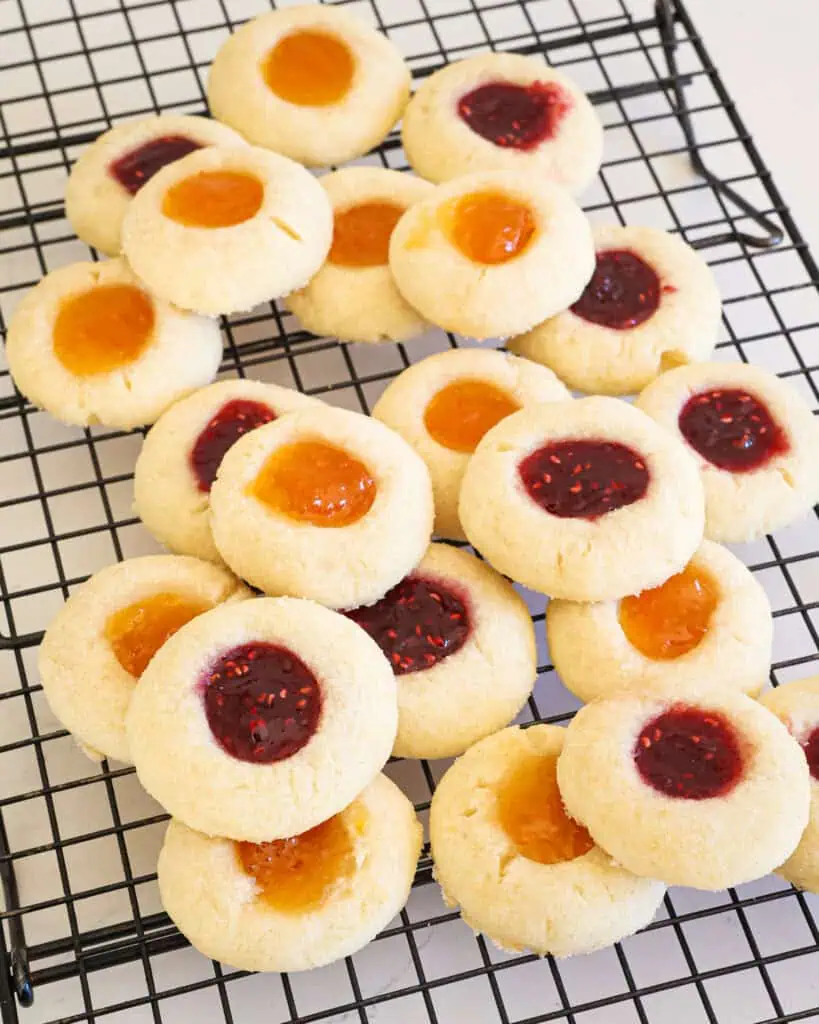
[711, 621]
[503, 112]
[461, 642]
[178, 462]
[313, 82]
[261, 720]
[585, 500]
[692, 786]
[222, 230]
[521, 870]
[754, 438]
[652, 304]
[444, 404]
[325, 504]
[110, 172]
[102, 639]
[90, 345]
[491, 254]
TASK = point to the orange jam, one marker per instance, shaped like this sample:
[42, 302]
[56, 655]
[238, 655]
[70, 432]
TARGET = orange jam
[103, 329]
[488, 227]
[137, 631]
[460, 414]
[531, 813]
[670, 620]
[315, 482]
[214, 199]
[310, 68]
[361, 234]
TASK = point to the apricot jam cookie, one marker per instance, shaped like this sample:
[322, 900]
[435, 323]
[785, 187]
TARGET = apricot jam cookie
[692, 786]
[90, 345]
[313, 82]
[110, 172]
[521, 870]
[444, 404]
[260, 721]
[754, 439]
[461, 642]
[503, 111]
[711, 621]
[102, 639]
[652, 304]
[222, 230]
[325, 504]
[584, 500]
[491, 254]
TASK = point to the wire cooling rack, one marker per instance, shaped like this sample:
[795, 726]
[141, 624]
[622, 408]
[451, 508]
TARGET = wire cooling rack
[83, 934]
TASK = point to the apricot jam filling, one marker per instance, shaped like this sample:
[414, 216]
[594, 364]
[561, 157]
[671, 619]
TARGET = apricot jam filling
[103, 329]
[137, 631]
[310, 68]
[515, 116]
[223, 430]
[361, 234]
[214, 199]
[460, 414]
[139, 165]
[488, 227]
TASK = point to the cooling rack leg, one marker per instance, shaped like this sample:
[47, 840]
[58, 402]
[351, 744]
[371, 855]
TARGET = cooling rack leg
[15, 976]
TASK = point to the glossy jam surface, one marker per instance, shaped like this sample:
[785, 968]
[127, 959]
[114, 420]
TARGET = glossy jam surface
[811, 748]
[310, 68]
[584, 479]
[515, 116]
[315, 482]
[137, 631]
[361, 234]
[689, 753]
[139, 165]
[624, 291]
[103, 329]
[418, 623]
[214, 199]
[262, 702]
[488, 227]
[234, 419]
[460, 414]
[732, 429]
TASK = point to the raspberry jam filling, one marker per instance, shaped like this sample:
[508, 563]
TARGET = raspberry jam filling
[103, 329]
[263, 704]
[670, 620]
[460, 413]
[624, 291]
[811, 748]
[515, 116]
[488, 227]
[689, 753]
[214, 199]
[418, 623]
[137, 631]
[234, 419]
[361, 234]
[732, 429]
[310, 68]
[584, 479]
[139, 165]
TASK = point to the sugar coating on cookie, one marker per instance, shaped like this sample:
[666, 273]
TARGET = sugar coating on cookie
[444, 404]
[520, 869]
[754, 438]
[710, 621]
[312, 82]
[511, 249]
[260, 721]
[651, 304]
[325, 504]
[91, 346]
[585, 500]
[222, 230]
[692, 786]
[502, 111]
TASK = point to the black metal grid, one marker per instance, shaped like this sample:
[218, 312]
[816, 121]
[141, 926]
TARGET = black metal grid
[92, 947]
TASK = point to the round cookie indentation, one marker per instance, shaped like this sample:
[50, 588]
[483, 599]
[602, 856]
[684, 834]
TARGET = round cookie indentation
[214, 199]
[515, 116]
[139, 165]
[103, 329]
[223, 430]
[489, 227]
[361, 234]
[623, 293]
[310, 68]
[732, 429]
[137, 631]
[460, 413]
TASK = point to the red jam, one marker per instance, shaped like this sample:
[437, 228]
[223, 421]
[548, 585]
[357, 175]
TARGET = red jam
[223, 431]
[624, 291]
[811, 748]
[584, 479]
[689, 753]
[139, 165]
[732, 429]
[418, 623]
[262, 702]
[515, 116]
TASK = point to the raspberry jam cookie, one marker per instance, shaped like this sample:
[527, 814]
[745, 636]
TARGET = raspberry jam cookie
[102, 639]
[585, 500]
[325, 504]
[313, 82]
[521, 870]
[261, 720]
[492, 254]
[755, 441]
[503, 112]
[444, 404]
[691, 786]
[353, 297]
[111, 171]
[710, 621]
[91, 346]
[652, 303]
[461, 642]
[222, 230]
